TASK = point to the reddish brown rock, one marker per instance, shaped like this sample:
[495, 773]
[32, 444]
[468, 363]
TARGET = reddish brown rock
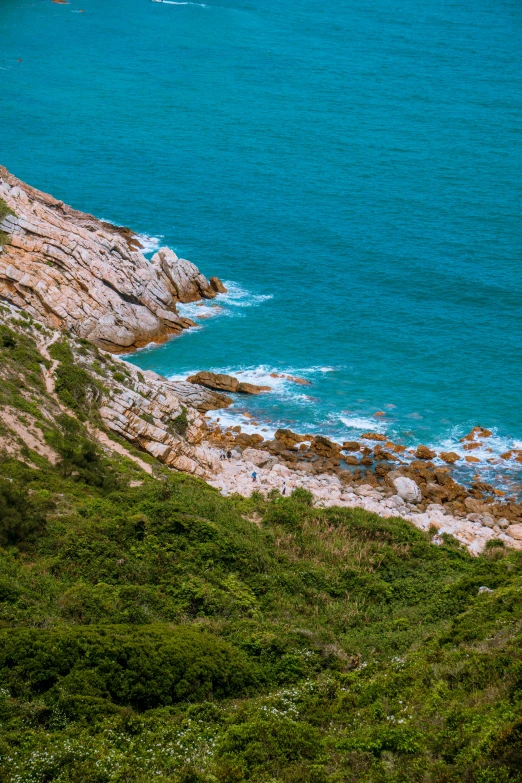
[351, 445]
[251, 388]
[325, 447]
[374, 436]
[476, 432]
[214, 380]
[449, 456]
[423, 452]
[217, 285]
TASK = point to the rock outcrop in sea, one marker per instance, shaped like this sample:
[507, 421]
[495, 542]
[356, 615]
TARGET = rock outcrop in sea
[77, 273]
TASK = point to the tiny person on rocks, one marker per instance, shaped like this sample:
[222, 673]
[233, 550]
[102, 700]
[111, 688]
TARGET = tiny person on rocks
[254, 475]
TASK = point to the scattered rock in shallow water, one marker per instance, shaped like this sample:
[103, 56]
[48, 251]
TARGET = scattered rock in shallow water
[251, 388]
[374, 436]
[221, 382]
[217, 285]
[476, 432]
[351, 445]
[423, 452]
[213, 380]
[449, 456]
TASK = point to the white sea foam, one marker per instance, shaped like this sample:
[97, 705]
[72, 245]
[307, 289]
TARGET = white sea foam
[195, 310]
[237, 296]
[231, 418]
[149, 244]
[173, 2]
[224, 304]
[362, 423]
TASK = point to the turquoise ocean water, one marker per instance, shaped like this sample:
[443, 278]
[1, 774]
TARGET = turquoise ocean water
[354, 169]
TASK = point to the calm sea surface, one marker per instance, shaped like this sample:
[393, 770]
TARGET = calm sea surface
[354, 170]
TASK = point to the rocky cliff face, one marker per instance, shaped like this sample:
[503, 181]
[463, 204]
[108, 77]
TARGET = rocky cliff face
[77, 273]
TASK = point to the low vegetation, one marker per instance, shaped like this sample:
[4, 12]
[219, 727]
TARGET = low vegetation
[164, 632]
[151, 629]
[4, 211]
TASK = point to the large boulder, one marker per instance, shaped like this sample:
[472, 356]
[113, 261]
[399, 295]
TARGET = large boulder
[288, 438]
[351, 445]
[214, 380]
[449, 456]
[407, 489]
[186, 281]
[325, 447]
[423, 452]
[251, 388]
[217, 285]
[515, 531]
[228, 383]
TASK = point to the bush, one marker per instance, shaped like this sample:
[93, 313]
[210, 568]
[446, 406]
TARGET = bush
[180, 424]
[140, 667]
[74, 385]
[22, 516]
[81, 458]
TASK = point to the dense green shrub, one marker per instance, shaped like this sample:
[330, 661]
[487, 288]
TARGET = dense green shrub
[180, 423]
[22, 516]
[164, 632]
[131, 666]
[81, 458]
[74, 385]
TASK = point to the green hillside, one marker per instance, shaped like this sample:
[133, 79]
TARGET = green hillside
[151, 629]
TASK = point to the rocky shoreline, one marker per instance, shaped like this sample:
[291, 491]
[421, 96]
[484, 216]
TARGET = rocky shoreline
[76, 275]
[378, 476]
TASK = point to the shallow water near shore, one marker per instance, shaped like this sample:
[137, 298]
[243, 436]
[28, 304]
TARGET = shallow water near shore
[354, 173]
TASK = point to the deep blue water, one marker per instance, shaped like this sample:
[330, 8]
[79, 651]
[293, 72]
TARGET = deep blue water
[354, 168]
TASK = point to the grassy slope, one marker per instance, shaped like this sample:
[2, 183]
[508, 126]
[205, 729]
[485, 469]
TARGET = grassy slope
[164, 632]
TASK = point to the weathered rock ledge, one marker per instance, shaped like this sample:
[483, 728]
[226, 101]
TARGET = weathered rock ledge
[80, 274]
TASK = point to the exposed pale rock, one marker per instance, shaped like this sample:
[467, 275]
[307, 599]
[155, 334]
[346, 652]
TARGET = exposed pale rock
[186, 282]
[407, 489]
[515, 531]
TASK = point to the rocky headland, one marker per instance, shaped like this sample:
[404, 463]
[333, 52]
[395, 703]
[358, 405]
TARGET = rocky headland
[81, 290]
[77, 273]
